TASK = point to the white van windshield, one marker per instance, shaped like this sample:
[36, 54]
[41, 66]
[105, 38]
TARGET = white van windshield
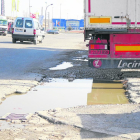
[28, 24]
[19, 23]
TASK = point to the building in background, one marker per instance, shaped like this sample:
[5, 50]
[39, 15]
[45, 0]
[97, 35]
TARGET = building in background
[3, 7]
[68, 23]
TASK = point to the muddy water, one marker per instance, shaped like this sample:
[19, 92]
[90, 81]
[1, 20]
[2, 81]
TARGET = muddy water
[59, 93]
[107, 92]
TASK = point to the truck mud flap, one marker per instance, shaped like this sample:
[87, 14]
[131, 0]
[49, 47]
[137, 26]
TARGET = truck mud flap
[114, 63]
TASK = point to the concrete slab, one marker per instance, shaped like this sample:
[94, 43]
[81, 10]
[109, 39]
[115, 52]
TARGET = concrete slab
[107, 120]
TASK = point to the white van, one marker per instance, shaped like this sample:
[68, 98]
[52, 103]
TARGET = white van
[27, 29]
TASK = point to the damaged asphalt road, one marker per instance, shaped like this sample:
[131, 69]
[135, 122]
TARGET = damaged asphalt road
[109, 122]
[23, 66]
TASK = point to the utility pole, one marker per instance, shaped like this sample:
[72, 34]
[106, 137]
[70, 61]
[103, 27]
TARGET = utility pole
[48, 19]
[3, 7]
[52, 18]
[52, 12]
[42, 11]
[45, 15]
[60, 15]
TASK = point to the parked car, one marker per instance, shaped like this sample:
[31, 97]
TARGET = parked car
[81, 28]
[27, 29]
[52, 32]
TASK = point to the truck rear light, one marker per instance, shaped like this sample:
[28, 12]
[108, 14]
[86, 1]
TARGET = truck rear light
[98, 46]
[12, 30]
[91, 46]
[34, 32]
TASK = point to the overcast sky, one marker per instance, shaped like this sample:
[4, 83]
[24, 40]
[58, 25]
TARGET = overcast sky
[71, 9]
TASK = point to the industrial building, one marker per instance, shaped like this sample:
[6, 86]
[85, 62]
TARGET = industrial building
[66, 23]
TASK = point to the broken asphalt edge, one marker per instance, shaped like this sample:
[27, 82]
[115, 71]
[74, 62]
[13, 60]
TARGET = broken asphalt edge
[55, 120]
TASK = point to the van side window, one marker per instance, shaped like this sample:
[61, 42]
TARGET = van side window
[19, 23]
[36, 25]
[28, 24]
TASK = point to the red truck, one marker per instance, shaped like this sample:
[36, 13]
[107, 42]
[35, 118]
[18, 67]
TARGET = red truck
[113, 30]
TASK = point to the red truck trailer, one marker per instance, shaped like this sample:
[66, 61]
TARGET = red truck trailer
[113, 30]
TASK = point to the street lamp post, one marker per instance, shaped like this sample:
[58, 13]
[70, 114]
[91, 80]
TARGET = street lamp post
[60, 15]
[45, 15]
[29, 8]
[48, 19]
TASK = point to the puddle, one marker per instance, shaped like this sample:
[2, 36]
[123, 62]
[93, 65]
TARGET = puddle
[62, 66]
[8, 125]
[81, 60]
[59, 93]
[107, 92]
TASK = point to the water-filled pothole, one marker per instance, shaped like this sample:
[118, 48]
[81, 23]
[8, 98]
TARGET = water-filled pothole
[60, 93]
[107, 92]
[62, 66]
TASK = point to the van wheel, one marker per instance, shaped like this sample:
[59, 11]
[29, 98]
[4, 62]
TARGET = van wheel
[41, 40]
[13, 40]
[35, 42]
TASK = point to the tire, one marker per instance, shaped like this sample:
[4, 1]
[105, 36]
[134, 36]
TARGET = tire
[13, 40]
[41, 40]
[35, 42]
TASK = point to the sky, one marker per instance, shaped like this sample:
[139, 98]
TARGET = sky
[70, 9]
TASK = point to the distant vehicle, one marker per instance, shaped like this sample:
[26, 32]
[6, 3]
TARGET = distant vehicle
[81, 28]
[53, 32]
[10, 27]
[27, 29]
[3, 25]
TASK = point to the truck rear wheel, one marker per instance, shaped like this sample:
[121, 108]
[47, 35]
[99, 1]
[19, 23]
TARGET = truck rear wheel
[13, 40]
